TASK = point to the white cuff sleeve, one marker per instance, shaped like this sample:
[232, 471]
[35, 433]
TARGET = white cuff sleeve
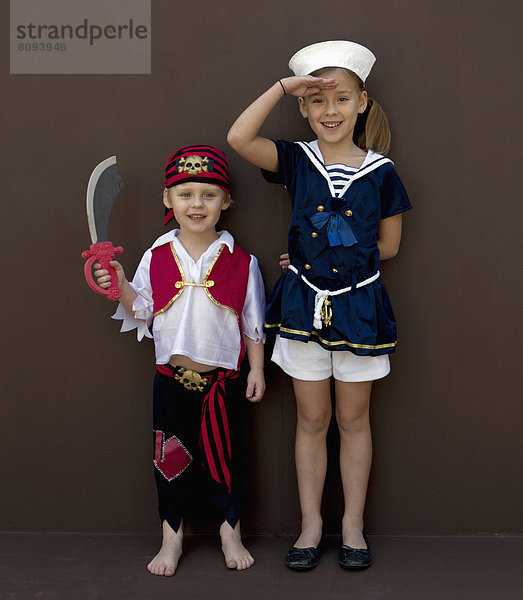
[253, 314]
[141, 320]
[143, 306]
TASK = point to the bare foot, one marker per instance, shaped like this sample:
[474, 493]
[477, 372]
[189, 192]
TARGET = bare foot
[236, 554]
[166, 561]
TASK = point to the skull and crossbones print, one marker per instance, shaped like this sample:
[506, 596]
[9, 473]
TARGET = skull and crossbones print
[191, 380]
[193, 165]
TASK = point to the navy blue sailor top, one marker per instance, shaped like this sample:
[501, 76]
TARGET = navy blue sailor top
[333, 245]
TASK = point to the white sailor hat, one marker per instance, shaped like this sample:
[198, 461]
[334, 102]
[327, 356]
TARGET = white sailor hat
[338, 53]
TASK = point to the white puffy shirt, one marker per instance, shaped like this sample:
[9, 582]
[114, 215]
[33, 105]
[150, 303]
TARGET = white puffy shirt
[193, 325]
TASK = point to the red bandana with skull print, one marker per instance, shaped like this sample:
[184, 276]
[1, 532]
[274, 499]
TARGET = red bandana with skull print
[202, 164]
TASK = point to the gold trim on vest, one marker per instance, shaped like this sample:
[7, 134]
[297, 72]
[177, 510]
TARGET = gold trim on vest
[178, 285]
[207, 286]
[206, 283]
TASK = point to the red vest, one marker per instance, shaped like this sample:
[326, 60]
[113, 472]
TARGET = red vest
[225, 281]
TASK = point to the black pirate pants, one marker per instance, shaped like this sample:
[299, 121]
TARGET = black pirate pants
[197, 440]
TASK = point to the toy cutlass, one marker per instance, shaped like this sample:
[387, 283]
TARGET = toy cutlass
[104, 185]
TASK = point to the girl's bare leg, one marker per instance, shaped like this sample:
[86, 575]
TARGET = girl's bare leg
[166, 561]
[313, 417]
[352, 415]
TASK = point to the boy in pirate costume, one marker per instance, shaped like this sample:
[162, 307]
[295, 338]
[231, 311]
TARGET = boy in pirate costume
[203, 295]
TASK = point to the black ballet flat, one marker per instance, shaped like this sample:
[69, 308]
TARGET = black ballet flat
[355, 559]
[302, 559]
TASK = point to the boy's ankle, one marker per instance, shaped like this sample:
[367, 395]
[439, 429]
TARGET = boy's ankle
[227, 529]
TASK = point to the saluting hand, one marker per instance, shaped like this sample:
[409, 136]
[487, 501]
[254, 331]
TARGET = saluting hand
[307, 85]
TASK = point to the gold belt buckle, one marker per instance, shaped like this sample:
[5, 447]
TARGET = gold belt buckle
[191, 380]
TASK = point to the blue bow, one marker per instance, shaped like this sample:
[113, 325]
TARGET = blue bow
[339, 231]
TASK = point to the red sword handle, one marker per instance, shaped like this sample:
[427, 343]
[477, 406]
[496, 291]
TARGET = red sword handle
[102, 252]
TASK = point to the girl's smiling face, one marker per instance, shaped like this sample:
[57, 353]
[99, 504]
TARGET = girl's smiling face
[196, 206]
[332, 113]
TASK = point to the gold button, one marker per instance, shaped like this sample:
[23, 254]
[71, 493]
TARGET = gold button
[335, 270]
[320, 208]
[314, 234]
[348, 213]
[307, 267]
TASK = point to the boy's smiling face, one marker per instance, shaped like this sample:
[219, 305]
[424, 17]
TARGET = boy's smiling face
[196, 206]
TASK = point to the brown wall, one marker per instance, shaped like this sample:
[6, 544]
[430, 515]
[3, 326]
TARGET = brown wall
[76, 420]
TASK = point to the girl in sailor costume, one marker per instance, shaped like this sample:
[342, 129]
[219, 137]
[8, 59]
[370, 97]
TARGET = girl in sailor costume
[203, 297]
[330, 309]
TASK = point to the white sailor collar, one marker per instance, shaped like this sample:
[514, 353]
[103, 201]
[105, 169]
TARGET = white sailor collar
[372, 161]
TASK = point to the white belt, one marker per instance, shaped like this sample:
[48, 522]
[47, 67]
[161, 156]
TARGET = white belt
[320, 304]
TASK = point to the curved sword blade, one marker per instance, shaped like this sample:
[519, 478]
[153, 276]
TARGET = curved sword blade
[104, 185]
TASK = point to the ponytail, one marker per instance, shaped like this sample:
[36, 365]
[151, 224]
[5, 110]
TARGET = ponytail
[372, 131]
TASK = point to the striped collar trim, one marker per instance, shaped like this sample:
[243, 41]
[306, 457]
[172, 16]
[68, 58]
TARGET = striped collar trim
[372, 161]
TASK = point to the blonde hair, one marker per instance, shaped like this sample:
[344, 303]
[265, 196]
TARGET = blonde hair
[372, 131]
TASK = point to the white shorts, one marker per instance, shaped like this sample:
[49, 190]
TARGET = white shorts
[310, 362]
